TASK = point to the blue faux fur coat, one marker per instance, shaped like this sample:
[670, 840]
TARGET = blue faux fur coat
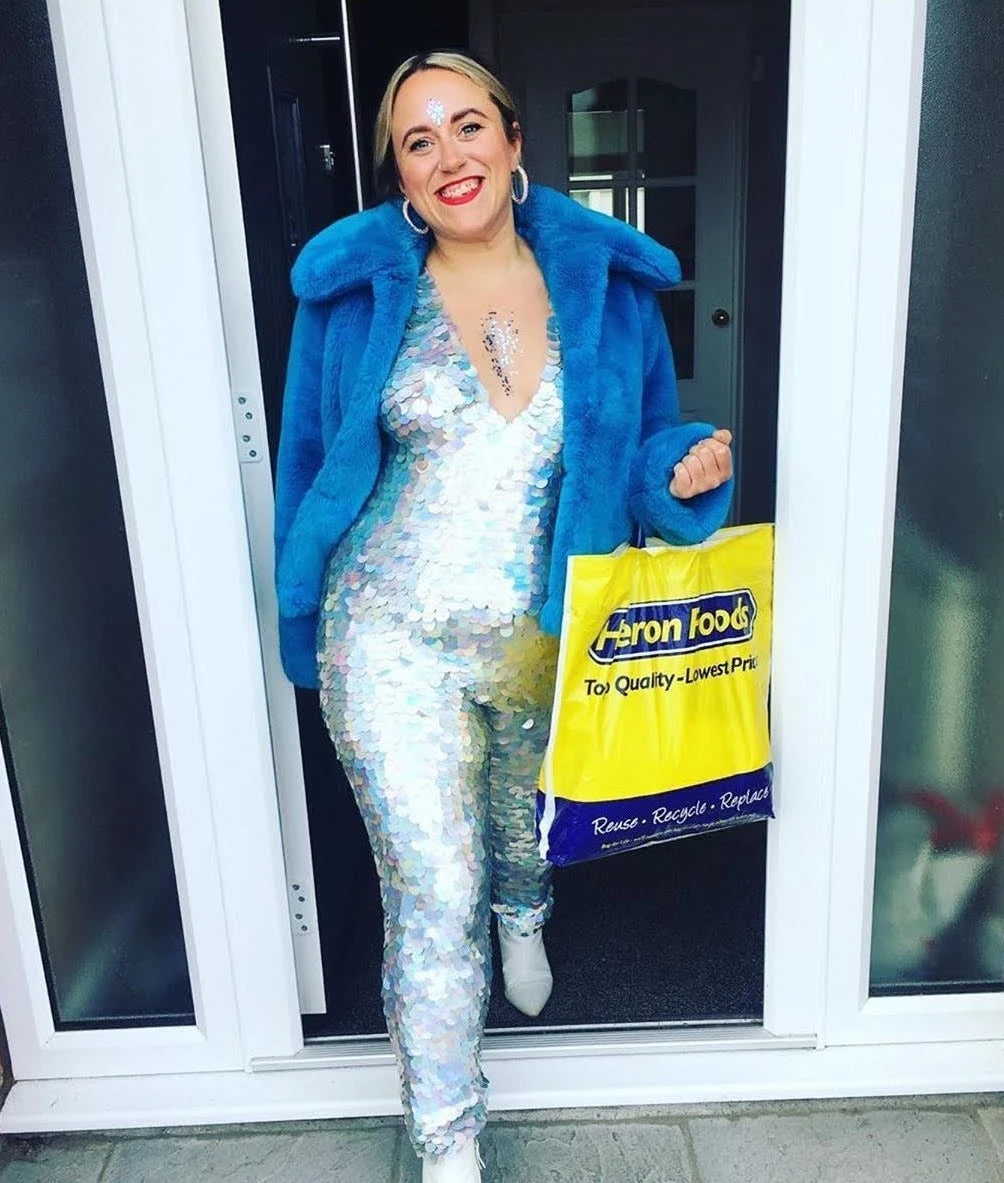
[356, 285]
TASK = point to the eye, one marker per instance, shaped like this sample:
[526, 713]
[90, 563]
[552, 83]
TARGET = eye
[419, 144]
[470, 129]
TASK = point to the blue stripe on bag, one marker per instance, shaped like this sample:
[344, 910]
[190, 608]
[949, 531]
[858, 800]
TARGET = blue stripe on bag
[586, 831]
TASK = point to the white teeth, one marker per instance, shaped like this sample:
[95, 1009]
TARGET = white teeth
[461, 189]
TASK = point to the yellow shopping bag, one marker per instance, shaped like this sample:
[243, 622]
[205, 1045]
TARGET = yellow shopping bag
[659, 727]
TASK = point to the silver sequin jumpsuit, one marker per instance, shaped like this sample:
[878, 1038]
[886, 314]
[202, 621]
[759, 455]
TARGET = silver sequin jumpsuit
[436, 687]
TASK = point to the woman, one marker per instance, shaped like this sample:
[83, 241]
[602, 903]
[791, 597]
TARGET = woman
[479, 385]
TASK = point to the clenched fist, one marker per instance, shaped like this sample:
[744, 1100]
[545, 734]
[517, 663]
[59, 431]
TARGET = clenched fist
[707, 465]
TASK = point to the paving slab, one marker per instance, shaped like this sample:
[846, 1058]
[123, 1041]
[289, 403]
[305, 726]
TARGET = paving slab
[612, 1152]
[332, 1156]
[993, 1122]
[44, 1160]
[895, 1146]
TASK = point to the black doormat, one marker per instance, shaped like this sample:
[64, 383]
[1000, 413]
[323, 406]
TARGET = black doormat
[670, 934]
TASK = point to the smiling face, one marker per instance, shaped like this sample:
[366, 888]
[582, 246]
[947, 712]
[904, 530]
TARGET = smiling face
[454, 161]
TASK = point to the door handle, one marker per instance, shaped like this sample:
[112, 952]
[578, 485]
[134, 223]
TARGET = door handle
[327, 158]
[720, 318]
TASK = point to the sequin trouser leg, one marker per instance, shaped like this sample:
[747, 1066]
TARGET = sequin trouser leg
[417, 749]
[521, 879]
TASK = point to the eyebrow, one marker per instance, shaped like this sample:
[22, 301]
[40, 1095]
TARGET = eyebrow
[453, 119]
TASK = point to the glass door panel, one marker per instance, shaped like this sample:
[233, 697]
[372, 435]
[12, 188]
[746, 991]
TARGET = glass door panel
[667, 129]
[669, 214]
[938, 922]
[652, 185]
[598, 130]
[612, 200]
[76, 726]
[678, 312]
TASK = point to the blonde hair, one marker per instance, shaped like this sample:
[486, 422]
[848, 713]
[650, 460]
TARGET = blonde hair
[384, 164]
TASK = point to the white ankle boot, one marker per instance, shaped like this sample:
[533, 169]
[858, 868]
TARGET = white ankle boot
[463, 1165]
[525, 971]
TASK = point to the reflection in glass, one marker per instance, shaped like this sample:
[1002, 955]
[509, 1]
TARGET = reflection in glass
[598, 129]
[76, 728]
[938, 920]
[611, 201]
[669, 215]
[667, 130]
[678, 312]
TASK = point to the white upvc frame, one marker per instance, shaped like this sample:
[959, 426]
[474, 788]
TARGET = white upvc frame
[894, 85]
[591, 1077]
[234, 280]
[129, 113]
[826, 115]
[149, 52]
[798, 846]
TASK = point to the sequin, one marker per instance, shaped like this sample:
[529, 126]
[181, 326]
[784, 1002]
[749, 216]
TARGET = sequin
[500, 337]
[436, 686]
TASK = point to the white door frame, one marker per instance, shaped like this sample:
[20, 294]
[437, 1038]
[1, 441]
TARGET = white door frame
[129, 112]
[126, 76]
[797, 848]
[884, 260]
[237, 314]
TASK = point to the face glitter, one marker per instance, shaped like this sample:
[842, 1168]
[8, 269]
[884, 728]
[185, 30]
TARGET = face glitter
[501, 341]
[435, 686]
[436, 112]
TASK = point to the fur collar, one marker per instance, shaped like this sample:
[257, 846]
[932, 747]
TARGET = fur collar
[356, 250]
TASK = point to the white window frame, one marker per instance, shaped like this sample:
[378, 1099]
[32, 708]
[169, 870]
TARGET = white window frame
[130, 119]
[884, 264]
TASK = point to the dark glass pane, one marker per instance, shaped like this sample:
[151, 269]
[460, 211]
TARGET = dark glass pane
[667, 129]
[939, 884]
[598, 130]
[678, 312]
[669, 215]
[77, 731]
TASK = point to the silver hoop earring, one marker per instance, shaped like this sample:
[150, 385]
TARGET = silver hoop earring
[520, 192]
[423, 229]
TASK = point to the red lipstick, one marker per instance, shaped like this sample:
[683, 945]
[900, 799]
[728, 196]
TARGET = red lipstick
[464, 198]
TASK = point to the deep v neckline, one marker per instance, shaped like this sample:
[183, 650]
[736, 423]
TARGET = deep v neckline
[551, 354]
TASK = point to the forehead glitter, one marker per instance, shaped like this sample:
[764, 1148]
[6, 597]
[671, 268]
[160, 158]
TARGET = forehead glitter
[436, 112]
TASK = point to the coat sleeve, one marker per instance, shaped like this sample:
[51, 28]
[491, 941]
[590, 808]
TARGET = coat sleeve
[300, 456]
[664, 442]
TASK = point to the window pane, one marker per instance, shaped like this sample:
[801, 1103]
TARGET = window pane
[598, 129]
[612, 200]
[669, 215]
[939, 885]
[667, 129]
[678, 312]
[76, 725]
